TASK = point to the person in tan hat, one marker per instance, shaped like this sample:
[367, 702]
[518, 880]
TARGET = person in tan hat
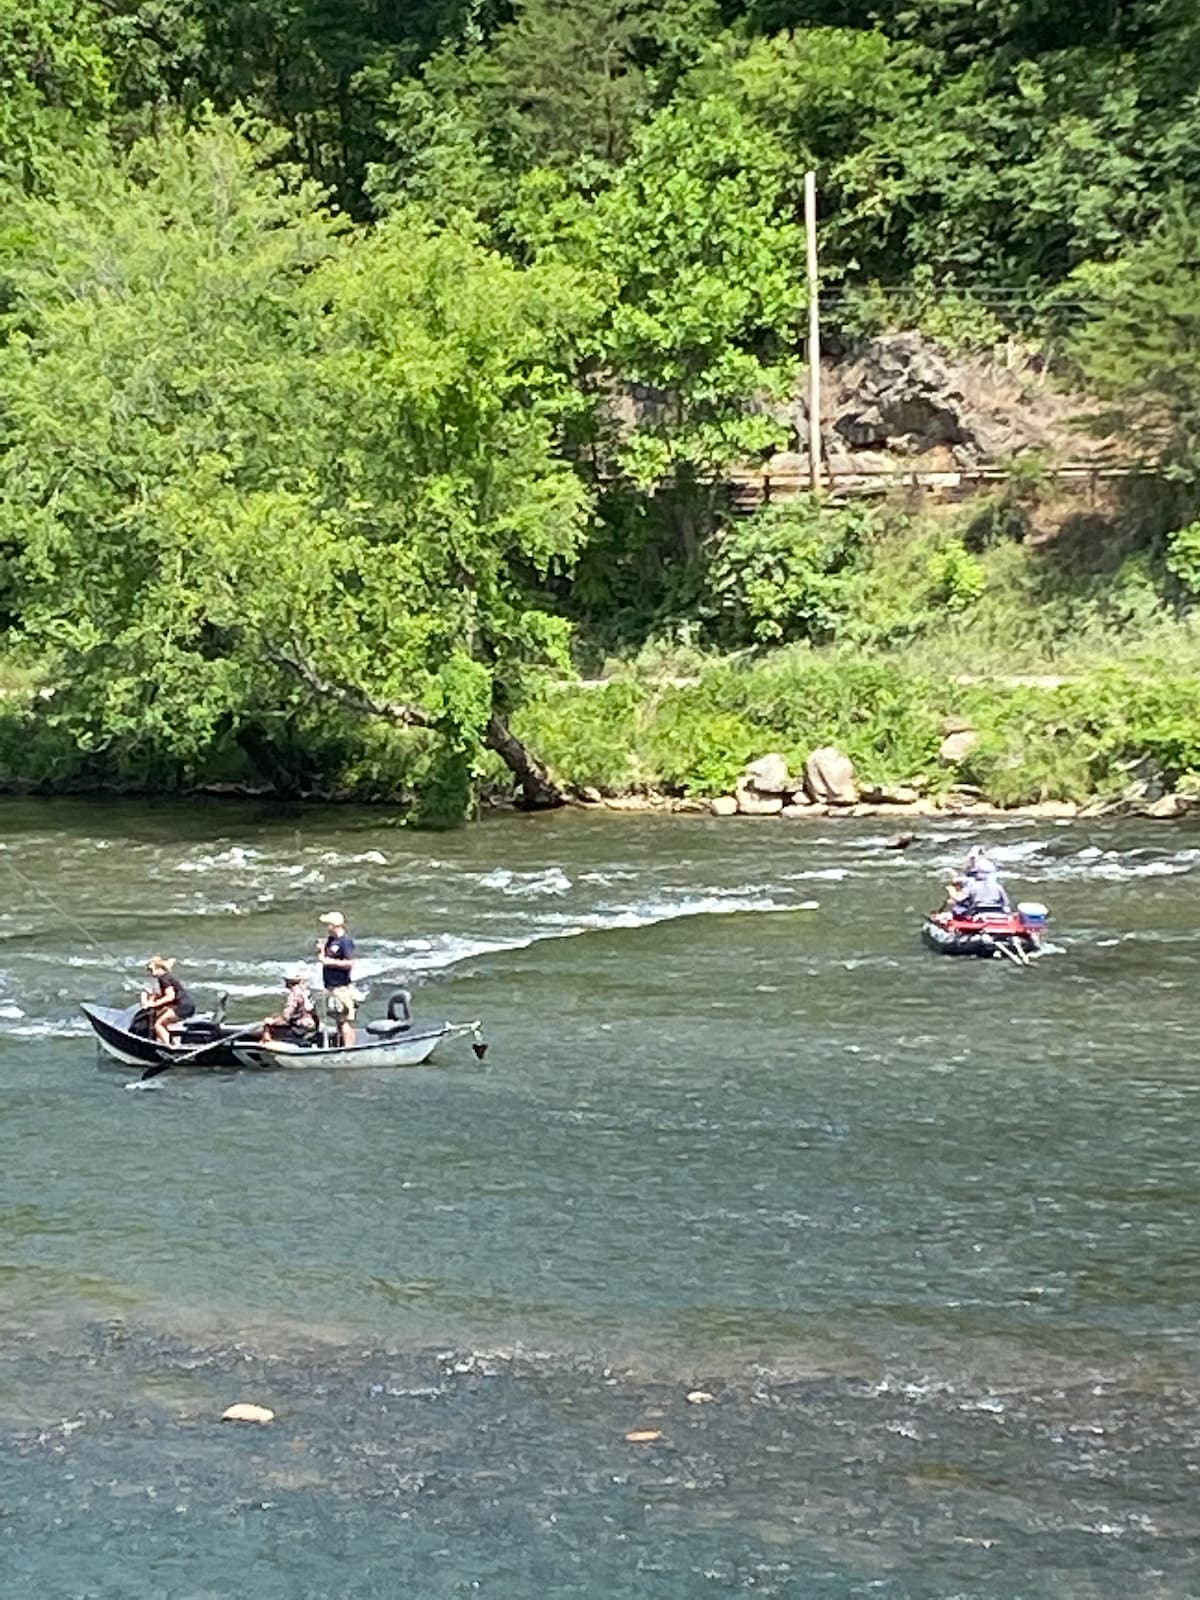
[297, 1018]
[336, 952]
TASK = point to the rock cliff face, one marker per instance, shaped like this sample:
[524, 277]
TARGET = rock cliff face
[900, 402]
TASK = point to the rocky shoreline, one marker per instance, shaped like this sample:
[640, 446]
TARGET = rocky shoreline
[828, 787]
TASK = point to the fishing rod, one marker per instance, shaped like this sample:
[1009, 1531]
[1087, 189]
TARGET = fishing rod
[68, 917]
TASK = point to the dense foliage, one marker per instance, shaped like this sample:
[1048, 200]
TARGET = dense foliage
[360, 361]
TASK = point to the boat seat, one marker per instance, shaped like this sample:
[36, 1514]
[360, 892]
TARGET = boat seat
[387, 1029]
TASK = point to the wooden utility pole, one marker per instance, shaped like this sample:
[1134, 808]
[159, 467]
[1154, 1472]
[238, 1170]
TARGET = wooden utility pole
[814, 335]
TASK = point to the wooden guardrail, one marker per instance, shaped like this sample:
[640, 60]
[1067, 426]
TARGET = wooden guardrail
[751, 489]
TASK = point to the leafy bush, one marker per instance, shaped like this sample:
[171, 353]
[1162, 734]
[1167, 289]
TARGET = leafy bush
[1080, 739]
[694, 749]
[587, 736]
[696, 738]
[1183, 557]
[783, 573]
[921, 580]
[956, 578]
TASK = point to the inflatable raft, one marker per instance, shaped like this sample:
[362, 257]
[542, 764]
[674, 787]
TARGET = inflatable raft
[1011, 934]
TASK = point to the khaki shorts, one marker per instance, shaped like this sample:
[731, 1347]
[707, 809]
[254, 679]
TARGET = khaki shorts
[343, 1001]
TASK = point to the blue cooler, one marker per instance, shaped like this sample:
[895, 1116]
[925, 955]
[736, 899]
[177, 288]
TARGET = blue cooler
[1033, 914]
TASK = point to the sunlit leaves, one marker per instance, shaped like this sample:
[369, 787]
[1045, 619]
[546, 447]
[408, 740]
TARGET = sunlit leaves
[233, 432]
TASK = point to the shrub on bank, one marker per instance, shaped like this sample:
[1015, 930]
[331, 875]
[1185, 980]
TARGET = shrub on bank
[1076, 741]
[1090, 736]
[1085, 738]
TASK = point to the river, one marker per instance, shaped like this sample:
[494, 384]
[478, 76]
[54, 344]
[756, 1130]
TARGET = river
[923, 1229]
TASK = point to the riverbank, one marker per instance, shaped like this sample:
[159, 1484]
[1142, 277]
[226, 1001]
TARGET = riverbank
[1109, 739]
[1113, 739]
[1168, 808]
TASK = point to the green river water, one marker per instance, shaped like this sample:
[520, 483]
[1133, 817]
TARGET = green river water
[924, 1229]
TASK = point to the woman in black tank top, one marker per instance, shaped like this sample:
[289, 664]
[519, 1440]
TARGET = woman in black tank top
[172, 1003]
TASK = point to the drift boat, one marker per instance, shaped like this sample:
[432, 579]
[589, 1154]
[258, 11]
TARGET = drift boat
[392, 1041]
[1016, 934]
[387, 1045]
[203, 1041]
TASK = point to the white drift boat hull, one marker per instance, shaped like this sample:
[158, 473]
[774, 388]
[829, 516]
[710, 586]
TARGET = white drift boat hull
[403, 1050]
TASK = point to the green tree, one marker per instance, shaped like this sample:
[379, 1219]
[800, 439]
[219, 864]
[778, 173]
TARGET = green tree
[699, 240]
[559, 88]
[55, 86]
[1141, 348]
[248, 463]
[574, 80]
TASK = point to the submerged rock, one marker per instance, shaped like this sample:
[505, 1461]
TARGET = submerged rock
[245, 1412]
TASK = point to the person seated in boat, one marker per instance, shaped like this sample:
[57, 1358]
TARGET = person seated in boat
[958, 898]
[297, 1018]
[987, 893]
[168, 1002]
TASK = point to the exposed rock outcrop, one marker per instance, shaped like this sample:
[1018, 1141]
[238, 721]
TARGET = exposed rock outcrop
[768, 775]
[829, 778]
[750, 803]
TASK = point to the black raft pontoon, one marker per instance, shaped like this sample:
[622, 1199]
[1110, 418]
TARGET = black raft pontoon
[1016, 934]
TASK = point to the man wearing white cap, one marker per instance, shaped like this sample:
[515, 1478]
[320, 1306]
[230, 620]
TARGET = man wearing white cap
[336, 951]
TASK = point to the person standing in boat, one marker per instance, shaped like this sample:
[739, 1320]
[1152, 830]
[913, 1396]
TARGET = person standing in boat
[168, 1002]
[336, 952]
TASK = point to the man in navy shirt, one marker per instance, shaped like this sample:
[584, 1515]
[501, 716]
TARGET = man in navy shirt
[336, 951]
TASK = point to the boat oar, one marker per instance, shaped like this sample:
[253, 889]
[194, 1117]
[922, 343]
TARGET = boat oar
[1013, 954]
[199, 1050]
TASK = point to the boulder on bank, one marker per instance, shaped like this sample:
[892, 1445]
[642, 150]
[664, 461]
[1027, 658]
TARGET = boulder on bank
[723, 806]
[1167, 806]
[750, 803]
[891, 794]
[957, 746]
[829, 778]
[768, 775]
